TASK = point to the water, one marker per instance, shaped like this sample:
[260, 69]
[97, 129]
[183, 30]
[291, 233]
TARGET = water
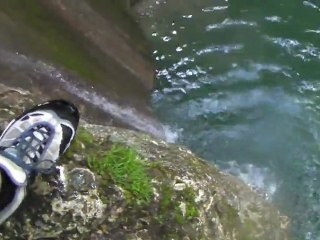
[240, 81]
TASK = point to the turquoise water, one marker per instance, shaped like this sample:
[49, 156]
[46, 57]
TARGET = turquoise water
[240, 82]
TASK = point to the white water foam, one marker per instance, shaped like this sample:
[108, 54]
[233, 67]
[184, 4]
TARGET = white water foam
[259, 179]
[172, 135]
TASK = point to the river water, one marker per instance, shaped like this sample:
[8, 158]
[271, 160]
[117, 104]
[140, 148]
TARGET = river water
[240, 82]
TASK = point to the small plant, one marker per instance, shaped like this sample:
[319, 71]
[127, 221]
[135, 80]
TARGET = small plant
[126, 168]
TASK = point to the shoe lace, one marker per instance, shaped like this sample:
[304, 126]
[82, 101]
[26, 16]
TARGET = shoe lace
[27, 150]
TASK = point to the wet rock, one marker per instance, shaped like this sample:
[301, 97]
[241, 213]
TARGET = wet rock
[81, 180]
[80, 47]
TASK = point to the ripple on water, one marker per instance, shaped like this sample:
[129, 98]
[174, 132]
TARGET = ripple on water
[310, 4]
[214, 8]
[274, 19]
[305, 51]
[230, 23]
[220, 48]
[316, 31]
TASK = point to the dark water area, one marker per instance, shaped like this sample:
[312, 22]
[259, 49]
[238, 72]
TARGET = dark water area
[240, 82]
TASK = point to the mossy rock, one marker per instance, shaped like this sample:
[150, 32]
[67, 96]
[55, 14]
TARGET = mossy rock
[188, 198]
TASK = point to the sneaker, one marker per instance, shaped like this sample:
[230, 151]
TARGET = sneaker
[31, 144]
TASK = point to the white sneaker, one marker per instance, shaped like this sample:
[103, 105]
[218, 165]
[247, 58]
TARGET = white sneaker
[31, 144]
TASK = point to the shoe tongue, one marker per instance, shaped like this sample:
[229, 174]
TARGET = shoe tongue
[15, 172]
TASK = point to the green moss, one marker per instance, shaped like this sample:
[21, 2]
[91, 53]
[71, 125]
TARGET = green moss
[178, 215]
[83, 139]
[188, 195]
[126, 169]
[170, 215]
[166, 204]
[249, 227]
[121, 165]
[191, 211]
[84, 136]
[166, 197]
[169, 205]
[229, 216]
